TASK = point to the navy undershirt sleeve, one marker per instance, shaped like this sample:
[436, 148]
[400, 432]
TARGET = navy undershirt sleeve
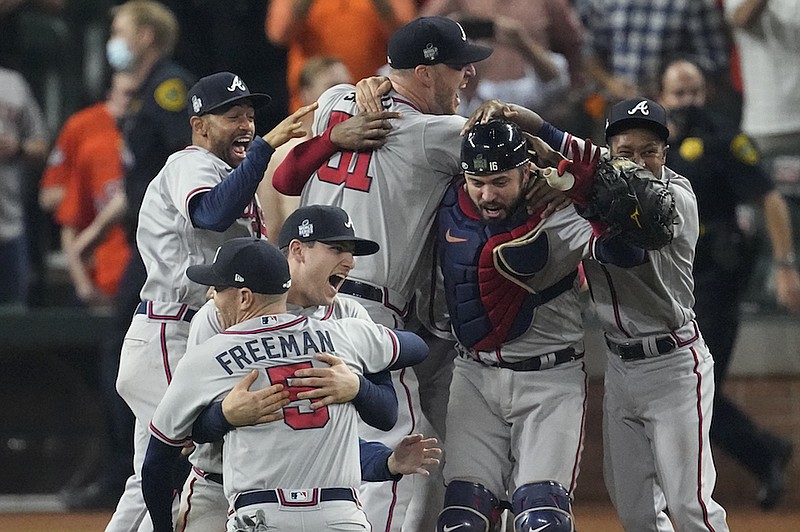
[413, 349]
[375, 462]
[219, 208]
[376, 401]
[210, 425]
[157, 482]
[619, 253]
[551, 135]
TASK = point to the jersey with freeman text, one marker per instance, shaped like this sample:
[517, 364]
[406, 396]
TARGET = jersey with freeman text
[392, 193]
[205, 324]
[316, 448]
[168, 241]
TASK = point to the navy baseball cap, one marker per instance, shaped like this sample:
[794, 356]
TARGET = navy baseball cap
[637, 113]
[433, 40]
[323, 223]
[245, 262]
[221, 89]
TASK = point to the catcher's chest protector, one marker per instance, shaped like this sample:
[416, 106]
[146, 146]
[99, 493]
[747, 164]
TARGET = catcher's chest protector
[486, 309]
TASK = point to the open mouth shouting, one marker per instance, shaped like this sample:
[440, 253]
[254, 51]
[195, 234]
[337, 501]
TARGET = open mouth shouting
[336, 281]
[239, 146]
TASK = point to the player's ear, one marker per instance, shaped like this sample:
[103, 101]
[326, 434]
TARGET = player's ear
[296, 250]
[246, 298]
[424, 74]
[199, 126]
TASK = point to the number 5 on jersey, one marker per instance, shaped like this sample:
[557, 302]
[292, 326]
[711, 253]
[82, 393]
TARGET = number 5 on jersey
[351, 167]
[293, 415]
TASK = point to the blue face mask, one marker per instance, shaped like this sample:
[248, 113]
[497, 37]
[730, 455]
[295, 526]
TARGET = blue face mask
[118, 54]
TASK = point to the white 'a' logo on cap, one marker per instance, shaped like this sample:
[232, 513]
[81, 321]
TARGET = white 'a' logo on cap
[237, 84]
[349, 223]
[463, 34]
[641, 107]
[197, 103]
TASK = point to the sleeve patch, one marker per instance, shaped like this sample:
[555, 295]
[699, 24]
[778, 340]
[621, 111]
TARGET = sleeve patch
[743, 149]
[171, 94]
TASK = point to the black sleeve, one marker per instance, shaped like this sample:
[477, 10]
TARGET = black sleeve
[218, 209]
[375, 462]
[210, 425]
[413, 349]
[619, 253]
[376, 401]
[157, 482]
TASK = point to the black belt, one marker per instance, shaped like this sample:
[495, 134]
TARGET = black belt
[213, 477]
[634, 350]
[187, 316]
[536, 363]
[363, 290]
[271, 496]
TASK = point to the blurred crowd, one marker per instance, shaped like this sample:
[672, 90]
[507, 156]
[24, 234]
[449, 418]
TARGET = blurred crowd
[567, 59]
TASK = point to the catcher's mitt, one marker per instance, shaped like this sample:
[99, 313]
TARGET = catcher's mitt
[632, 202]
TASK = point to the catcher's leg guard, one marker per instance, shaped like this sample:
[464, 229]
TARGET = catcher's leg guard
[542, 505]
[469, 507]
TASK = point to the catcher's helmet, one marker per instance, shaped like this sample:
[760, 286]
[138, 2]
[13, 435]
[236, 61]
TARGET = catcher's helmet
[493, 147]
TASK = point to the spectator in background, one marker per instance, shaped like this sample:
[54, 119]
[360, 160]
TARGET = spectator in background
[767, 35]
[87, 164]
[628, 40]
[356, 32]
[537, 47]
[84, 173]
[319, 74]
[723, 167]
[23, 145]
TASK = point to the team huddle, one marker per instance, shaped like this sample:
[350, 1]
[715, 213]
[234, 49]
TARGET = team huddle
[285, 368]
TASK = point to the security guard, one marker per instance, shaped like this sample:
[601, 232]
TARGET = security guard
[723, 167]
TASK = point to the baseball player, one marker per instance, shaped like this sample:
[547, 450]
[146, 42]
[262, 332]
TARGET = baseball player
[659, 382]
[301, 474]
[202, 197]
[392, 194]
[320, 243]
[519, 377]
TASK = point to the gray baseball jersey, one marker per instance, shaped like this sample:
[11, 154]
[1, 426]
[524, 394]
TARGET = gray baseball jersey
[167, 240]
[315, 448]
[208, 456]
[203, 505]
[392, 193]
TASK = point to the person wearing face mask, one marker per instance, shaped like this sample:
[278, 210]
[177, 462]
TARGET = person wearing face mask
[724, 168]
[143, 35]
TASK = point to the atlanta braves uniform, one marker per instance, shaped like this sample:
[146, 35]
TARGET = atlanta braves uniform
[659, 383]
[391, 195]
[313, 485]
[518, 377]
[203, 506]
[168, 243]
